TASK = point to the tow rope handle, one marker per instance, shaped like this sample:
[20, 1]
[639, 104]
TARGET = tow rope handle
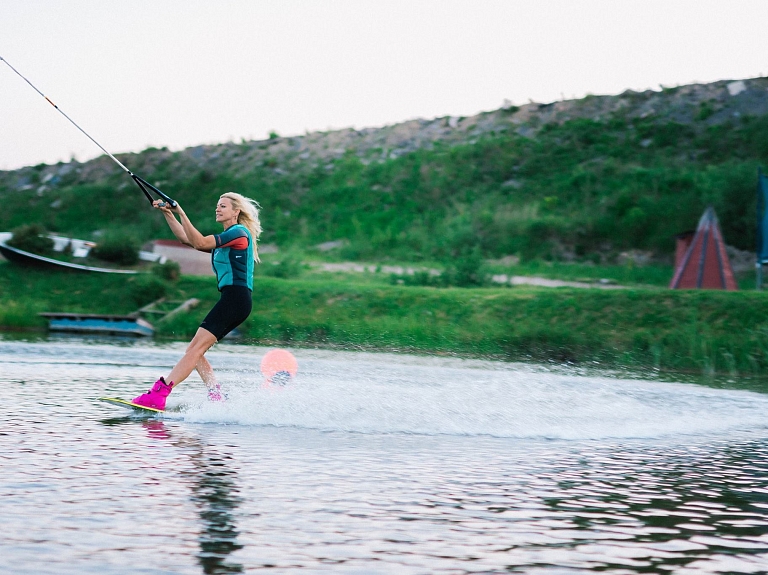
[144, 184]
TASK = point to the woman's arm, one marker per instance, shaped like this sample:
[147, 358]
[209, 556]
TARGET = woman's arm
[185, 232]
[194, 237]
[170, 219]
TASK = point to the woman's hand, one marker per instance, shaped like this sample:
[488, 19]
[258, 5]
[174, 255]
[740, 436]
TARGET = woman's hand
[176, 227]
[165, 207]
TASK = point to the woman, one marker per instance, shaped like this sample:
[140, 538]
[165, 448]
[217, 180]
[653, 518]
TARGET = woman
[233, 258]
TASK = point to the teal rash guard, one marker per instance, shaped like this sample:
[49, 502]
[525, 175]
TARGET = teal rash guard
[232, 259]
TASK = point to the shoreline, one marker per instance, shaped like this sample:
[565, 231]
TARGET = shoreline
[681, 331]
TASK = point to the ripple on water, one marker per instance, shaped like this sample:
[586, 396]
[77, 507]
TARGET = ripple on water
[375, 464]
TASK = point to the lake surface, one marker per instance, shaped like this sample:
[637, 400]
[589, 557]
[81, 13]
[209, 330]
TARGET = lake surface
[373, 463]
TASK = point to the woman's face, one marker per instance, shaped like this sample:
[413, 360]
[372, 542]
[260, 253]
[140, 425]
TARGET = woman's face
[225, 212]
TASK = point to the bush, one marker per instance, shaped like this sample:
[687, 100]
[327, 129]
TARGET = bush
[289, 267]
[467, 270]
[118, 248]
[31, 238]
[418, 278]
[147, 288]
[169, 271]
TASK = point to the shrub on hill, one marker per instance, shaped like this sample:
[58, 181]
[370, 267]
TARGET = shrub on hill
[118, 248]
[31, 238]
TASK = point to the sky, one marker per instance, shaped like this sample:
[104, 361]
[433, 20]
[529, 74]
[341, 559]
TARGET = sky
[179, 73]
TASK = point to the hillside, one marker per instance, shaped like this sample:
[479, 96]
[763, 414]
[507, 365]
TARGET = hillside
[580, 179]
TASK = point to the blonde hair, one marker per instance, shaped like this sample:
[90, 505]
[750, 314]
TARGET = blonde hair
[248, 217]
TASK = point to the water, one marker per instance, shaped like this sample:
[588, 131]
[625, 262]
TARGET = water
[373, 464]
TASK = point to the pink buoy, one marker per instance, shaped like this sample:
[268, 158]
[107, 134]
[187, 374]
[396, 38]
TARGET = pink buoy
[279, 366]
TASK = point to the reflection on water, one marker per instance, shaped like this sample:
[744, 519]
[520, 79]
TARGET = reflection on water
[215, 495]
[375, 464]
[212, 490]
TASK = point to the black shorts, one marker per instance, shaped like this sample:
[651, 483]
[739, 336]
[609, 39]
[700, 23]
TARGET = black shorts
[230, 311]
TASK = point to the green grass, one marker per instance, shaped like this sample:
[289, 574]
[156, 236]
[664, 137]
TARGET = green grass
[693, 331]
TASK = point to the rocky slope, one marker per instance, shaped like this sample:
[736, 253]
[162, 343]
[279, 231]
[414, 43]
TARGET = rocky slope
[697, 105]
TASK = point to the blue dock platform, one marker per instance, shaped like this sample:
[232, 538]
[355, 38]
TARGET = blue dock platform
[98, 323]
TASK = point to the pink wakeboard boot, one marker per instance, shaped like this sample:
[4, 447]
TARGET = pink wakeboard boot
[214, 393]
[155, 397]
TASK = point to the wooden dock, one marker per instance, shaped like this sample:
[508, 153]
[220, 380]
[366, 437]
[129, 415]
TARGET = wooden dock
[107, 324]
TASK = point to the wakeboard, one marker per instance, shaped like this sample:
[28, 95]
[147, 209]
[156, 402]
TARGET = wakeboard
[130, 405]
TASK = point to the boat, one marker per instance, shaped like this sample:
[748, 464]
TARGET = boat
[80, 249]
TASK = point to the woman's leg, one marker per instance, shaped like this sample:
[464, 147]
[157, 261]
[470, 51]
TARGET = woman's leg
[201, 343]
[206, 373]
[209, 378]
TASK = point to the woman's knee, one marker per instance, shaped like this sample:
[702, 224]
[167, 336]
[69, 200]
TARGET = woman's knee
[201, 343]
